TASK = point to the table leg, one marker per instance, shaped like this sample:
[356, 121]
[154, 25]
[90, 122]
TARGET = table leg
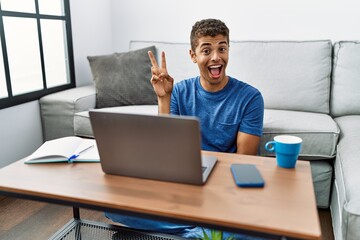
[76, 213]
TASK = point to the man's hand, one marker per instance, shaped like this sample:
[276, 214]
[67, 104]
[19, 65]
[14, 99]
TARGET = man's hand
[161, 81]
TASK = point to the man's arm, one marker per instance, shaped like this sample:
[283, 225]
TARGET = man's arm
[247, 144]
[164, 105]
[252, 122]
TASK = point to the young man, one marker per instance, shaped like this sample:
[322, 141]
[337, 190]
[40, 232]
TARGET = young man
[230, 111]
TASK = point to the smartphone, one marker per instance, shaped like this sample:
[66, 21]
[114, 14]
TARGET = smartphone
[247, 175]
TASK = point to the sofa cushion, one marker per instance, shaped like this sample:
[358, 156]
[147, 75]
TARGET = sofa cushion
[322, 173]
[82, 125]
[58, 109]
[349, 126]
[291, 75]
[123, 78]
[345, 204]
[318, 131]
[277, 68]
[178, 61]
[345, 95]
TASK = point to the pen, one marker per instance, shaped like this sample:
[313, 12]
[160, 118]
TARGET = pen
[70, 159]
[85, 149]
[74, 156]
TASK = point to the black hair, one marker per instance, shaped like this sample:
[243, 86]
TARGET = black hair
[207, 27]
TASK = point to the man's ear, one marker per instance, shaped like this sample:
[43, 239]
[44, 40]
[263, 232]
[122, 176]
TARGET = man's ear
[192, 55]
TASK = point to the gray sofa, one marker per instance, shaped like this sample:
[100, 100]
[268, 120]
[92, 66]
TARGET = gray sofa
[311, 89]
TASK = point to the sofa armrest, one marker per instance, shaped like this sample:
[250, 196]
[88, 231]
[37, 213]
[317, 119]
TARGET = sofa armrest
[58, 109]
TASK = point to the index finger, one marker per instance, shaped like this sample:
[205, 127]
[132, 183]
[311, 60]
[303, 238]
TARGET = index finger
[152, 59]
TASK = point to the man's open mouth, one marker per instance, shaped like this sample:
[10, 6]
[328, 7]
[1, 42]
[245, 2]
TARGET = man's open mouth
[215, 70]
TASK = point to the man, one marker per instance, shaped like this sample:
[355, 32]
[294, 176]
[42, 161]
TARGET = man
[230, 111]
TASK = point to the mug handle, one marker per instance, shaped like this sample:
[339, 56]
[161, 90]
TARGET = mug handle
[270, 146]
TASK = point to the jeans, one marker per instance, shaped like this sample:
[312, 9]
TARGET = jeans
[182, 230]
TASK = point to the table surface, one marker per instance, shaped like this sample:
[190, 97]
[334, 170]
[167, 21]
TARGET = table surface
[285, 206]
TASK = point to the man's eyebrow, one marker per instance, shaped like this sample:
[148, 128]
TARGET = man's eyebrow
[205, 44]
[209, 44]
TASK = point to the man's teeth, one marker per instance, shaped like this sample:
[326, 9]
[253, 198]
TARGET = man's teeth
[217, 66]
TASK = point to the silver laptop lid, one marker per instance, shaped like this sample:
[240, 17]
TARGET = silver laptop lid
[164, 148]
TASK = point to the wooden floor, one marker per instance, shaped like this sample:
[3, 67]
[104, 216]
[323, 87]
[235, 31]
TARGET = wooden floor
[24, 219]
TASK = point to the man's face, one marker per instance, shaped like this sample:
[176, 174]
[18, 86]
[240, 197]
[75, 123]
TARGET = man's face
[211, 56]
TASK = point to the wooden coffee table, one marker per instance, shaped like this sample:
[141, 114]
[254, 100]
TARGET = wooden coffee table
[286, 206]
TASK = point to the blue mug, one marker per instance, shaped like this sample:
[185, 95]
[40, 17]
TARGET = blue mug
[286, 148]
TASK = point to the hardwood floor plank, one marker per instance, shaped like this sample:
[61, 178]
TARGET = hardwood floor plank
[11, 216]
[326, 224]
[25, 219]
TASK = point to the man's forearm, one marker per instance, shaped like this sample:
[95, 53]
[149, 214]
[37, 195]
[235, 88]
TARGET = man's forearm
[164, 105]
[247, 144]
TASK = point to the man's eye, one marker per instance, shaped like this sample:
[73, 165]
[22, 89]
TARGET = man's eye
[222, 49]
[206, 51]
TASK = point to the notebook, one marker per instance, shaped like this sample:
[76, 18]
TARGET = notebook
[166, 148]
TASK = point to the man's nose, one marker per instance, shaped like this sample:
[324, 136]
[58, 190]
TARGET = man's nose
[215, 56]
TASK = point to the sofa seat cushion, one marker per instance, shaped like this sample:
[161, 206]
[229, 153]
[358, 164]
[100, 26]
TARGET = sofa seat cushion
[318, 131]
[82, 125]
[345, 204]
[349, 126]
[348, 158]
[322, 173]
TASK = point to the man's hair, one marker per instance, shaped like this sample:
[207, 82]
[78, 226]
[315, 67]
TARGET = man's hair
[207, 27]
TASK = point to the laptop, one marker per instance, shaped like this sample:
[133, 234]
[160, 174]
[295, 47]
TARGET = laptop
[166, 148]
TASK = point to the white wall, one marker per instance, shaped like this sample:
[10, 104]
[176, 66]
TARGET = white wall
[91, 32]
[21, 133]
[171, 20]
[102, 27]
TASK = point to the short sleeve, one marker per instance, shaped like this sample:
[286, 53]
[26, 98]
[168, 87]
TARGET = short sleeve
[174, 104]
[252, 122]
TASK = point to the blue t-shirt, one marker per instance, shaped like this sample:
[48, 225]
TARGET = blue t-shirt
[238, 107]
[222, 114]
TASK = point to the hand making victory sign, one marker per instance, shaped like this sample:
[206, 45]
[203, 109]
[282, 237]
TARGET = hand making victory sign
[162, 83]
[161, 80]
